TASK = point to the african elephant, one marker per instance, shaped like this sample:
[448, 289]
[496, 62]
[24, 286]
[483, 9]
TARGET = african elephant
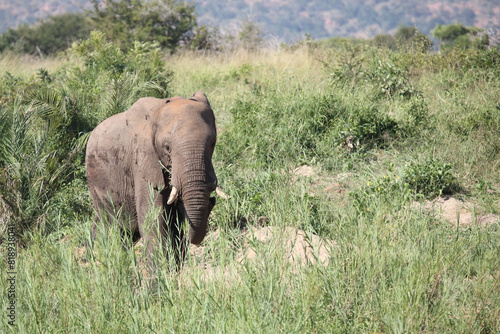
[157, 154]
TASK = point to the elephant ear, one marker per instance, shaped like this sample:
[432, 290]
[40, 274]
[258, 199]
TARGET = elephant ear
[148, 167]
[200, 97]
[140, 113]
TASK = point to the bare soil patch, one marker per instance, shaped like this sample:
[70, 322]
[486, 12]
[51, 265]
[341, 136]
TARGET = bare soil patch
[454, 210]
[300, 249]
[334, 187]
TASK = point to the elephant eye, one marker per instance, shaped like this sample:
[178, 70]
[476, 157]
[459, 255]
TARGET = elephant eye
[167, 147]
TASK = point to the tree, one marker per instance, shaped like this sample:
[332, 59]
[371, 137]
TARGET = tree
[409, 38]
[448, 33]
[205, 38]
[47, 36]
[169, 22]
[457, 35]
[250, 35]
[385, 40]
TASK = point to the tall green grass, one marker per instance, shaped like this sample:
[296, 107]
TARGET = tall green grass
[385, 128]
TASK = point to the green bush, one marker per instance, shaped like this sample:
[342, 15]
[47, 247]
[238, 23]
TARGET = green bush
[388, 190]
[275, 128]
[460, 37]
[365, 128]
[391, 80]
[430, 179]
[410, 39]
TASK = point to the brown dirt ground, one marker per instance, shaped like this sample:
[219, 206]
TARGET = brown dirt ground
[299, 248]
[454, 210]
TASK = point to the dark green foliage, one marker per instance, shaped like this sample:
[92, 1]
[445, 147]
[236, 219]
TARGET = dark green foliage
[385, 40]
[272, 128]
[268, 127]
[460, 36]
[116, 79]
[388, 190]
[366, 128]
[205, 38]
[168, 22]
[406, 39]
[409, 38]
[416, 117]
[31, 170]
[48, 36]
[448, 33]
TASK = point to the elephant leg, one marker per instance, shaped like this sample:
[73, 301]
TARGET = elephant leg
[151, 226]
[129, 238]
[176, 234]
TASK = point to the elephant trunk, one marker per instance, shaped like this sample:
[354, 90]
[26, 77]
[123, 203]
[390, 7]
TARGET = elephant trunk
[192, 178]
[197, 210]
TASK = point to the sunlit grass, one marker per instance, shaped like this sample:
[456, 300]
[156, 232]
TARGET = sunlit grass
[25, 65]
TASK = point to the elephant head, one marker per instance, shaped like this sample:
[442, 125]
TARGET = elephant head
[184, 137]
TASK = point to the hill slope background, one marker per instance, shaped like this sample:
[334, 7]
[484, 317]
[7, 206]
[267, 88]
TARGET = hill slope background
[290, 20]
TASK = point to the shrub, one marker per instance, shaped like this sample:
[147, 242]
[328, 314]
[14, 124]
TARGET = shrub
[430, 179]
[458, 36]
[410, 39]
[390, 189]
[365, 127]
[112, 80]
[250, 36]
[391, 80]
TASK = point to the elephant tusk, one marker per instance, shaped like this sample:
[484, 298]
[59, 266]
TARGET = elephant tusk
[222, 194]
[173, 195]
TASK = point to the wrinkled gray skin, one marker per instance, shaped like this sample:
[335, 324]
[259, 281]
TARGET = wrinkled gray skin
[123, 165]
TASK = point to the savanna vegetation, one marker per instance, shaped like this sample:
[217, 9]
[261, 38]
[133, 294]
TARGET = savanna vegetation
[383, 129]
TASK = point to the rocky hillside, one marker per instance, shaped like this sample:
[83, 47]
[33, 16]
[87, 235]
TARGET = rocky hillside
[290, 20]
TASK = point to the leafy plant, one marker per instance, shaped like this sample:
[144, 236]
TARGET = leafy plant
[45, 121]
[365, 128]
[250, 35]
[30, 172]
[430, 179]
[390, 189]
[392, 80]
